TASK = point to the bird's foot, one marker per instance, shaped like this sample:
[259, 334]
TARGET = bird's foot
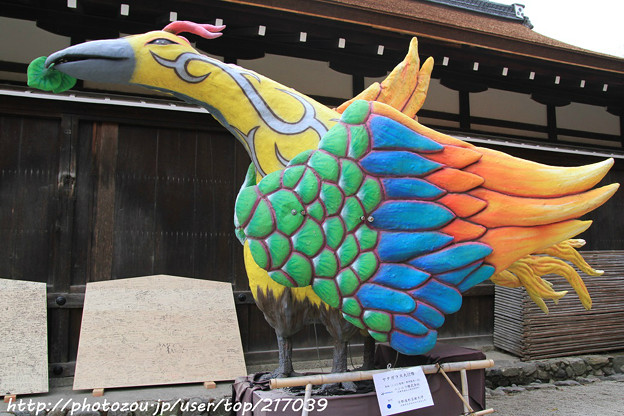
[338, 388]
[278, 373]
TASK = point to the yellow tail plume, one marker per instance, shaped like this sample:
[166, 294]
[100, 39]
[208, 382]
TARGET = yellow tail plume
[405, 88]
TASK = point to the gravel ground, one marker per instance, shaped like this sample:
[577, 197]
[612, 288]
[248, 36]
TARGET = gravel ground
[602, 398]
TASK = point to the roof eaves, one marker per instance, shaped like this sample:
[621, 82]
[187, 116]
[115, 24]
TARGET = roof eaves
[394, 15]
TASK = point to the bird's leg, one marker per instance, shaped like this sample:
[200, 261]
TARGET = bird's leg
[285, 366]
[368, 362]
[339, 365]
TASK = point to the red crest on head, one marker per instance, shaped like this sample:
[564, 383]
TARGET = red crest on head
[204, 30]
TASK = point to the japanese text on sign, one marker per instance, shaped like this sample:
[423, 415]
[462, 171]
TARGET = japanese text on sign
[402, 390]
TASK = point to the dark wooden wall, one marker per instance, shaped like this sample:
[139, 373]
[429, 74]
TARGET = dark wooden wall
[95, 192]
[91, 192]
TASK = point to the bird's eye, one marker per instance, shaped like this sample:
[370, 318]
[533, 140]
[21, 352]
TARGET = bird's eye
[161, 41]
[293, 212]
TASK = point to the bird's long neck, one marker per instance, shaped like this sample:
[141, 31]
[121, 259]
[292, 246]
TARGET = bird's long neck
[274, 122]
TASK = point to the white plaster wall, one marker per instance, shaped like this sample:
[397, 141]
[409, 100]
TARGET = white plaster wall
[304, 75]
[441, 98]
[369, 81]
[586, 117]
[507, 105]
[505, 130]
[436, 122]
[24, 41]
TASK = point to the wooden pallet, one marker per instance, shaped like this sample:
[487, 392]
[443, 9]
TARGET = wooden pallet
[521, 328]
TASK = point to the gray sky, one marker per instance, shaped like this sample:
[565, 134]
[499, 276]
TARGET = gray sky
[597, 25]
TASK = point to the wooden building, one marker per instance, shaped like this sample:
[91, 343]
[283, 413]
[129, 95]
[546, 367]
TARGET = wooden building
[104, 182]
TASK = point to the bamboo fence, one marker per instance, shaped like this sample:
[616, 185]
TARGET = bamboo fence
[520, 327]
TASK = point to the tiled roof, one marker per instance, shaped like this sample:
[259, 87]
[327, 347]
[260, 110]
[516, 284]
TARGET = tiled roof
[507, 11]
[425, 18]
[441, 20]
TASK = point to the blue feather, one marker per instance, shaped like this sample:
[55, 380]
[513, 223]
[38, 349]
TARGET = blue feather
[454, 257]
[398, 163]
[456, 276]
[411, 216]
[380, 297]
[428, 315]
[413, 345]
[388, 133]
[411, 188]
[401, 246]
[408, 324]
[481, 274]
[399, 276]
[446, 299]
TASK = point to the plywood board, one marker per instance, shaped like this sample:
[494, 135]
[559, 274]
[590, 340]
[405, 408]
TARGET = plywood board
[155, 330]
[23, 337]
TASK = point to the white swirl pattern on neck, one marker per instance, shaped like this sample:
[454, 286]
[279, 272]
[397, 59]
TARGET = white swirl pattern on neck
[307, 121]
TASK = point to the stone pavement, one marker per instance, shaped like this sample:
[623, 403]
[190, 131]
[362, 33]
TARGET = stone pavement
[601, 398]
[509, 372]
[510, 376]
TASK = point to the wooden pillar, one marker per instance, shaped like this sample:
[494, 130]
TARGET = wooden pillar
[464, 88]
[551, 122]
[464, 110]
[61, 253]
[105, 138]
[358, 84]
[65, 209]
[551, 103]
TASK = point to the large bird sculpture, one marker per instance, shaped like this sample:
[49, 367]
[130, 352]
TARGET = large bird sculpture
[272, 121]
[276, 123]
[391, 221]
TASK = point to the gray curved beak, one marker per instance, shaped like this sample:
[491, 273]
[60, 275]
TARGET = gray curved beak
[109, 61]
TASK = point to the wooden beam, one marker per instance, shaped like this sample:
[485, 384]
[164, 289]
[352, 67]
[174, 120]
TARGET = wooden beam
[105, 137]
[75, 300]
[16, 67]
[65, 300]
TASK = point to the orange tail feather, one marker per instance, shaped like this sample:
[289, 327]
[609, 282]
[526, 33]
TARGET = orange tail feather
[513, 243]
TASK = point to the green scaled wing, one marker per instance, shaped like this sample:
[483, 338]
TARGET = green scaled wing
[360, 220]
